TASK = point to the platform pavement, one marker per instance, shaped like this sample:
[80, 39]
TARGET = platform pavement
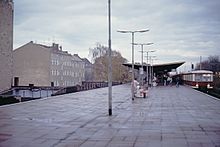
[169, 117]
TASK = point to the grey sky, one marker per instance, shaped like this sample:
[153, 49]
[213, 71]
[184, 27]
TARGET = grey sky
[181, 30]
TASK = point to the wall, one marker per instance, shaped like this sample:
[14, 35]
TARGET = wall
[32, 65]
[6, 44]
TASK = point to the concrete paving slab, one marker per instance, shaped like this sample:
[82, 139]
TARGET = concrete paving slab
[170, 116]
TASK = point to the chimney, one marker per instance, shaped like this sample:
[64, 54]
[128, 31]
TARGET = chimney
[55, 46]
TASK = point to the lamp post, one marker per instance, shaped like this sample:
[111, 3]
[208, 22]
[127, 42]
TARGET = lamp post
[109, 61]
[147, 66]
[151, 68]
[142, 51]
[132, 47]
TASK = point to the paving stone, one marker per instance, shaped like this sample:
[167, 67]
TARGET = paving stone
[169, 117]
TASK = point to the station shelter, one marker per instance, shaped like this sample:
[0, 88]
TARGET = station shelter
[151, 71]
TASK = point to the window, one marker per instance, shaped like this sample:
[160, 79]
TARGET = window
[198, 77]
[55, 62]
[56, 83]
[52, 72]
[206, 77]
[57, 73]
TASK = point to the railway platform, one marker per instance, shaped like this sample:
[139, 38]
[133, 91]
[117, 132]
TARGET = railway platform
[168, 117]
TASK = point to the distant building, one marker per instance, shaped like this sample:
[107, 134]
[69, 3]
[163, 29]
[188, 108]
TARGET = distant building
[88, 70]
[6, 43]
[43, 65]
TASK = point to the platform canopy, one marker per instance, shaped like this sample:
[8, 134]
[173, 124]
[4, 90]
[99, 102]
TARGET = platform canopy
[158, 68]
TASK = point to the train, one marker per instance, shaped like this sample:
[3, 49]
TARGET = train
[198, 79]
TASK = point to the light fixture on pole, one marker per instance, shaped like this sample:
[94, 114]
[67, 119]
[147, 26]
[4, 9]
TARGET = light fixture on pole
[151, 69]
[132, 53]
[147, 70]
[142, 51]
[109, 61]
[153, 66]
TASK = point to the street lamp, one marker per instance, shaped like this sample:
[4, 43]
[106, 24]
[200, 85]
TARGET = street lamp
[109, 61]
[151, 68]
[147, 65]
[132, 46]
[142, 51]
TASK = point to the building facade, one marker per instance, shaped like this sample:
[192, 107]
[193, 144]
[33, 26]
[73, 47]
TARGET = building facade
[43, 65]
[88, 70]
[6, 44]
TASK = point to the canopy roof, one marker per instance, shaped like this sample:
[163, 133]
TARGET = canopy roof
[158, 68]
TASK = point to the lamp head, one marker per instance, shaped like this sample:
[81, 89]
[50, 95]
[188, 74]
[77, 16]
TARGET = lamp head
[142, 31]
[123, 31]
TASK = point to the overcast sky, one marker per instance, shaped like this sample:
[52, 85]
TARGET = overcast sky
[181, 30]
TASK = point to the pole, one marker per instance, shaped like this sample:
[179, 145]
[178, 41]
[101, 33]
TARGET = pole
[150, 71]
[132, 46]
[151, 79]
[153, 68]
[132, 87]
[110, 61]
[142, 52]
[200, 65]
[147, 70]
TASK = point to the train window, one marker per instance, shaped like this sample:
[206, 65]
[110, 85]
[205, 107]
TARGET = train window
[206, 77]
[198, 77]
[193, 77]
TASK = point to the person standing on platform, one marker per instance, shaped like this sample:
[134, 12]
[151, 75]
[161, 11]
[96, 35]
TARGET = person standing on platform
[135, 82]
[165, 80]
[177, 81]
[170, 80]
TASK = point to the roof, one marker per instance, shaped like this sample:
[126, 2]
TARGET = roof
[86, 61]
[202, 71]
[167, 67]
[76, 57]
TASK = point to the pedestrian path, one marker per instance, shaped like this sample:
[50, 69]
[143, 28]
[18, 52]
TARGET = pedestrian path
[170, 116]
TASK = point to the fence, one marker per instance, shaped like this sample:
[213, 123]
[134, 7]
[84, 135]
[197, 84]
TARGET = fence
[84, 86]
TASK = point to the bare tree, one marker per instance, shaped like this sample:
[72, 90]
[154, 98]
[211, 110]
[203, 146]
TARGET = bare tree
[99, 56]
[212, 63]
[97, 51]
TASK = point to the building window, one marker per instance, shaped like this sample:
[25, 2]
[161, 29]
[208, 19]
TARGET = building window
[56, 83]
[55, 62]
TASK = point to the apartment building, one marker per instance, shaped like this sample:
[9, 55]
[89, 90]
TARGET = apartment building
[6, 44]
[88, 70]
[43, 65]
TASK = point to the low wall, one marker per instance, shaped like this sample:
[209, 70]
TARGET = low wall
[84, 86]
